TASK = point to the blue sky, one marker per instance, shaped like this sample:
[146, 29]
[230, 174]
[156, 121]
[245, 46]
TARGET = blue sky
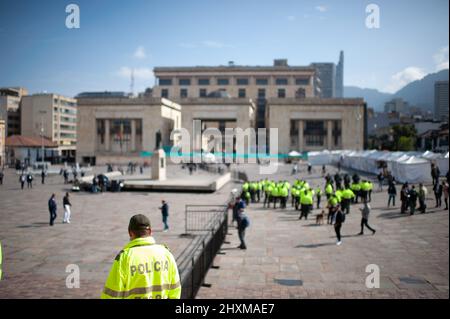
[41, 54]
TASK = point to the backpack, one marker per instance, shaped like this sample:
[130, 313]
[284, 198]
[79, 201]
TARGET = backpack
[245, 222]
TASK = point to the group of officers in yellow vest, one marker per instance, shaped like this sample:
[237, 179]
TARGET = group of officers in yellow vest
[303, 195]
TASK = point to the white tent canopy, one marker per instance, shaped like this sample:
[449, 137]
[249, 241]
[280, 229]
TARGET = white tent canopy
[412, 167]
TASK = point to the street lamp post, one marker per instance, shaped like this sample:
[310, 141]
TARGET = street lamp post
[42, 138]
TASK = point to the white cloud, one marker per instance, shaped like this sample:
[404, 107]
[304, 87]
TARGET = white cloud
[322, 8]
[291, 18]
[441, 59]
[139, 73]
[404, 77]
[140, 53]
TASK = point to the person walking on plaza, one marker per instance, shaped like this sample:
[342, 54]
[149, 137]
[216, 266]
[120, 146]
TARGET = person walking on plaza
[435, 173]
[29, 180]
[318, 196]
[392, 193]
[347, 197]
[165, 214]
[365, 211]
[1, 177]
[243, 223]
[67, 206]
[52, 207]
[22, 180]
[66, 176]
[143, 269]
[438, 190]
[43, 177]
[422, 195]
[445, 189]
[380, 178]
[413, 200]
[338, 220]
[404, 198]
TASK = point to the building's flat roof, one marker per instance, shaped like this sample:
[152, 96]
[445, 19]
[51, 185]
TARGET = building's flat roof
[316, 101]
[29, 141]
[215, 101]
[118, 101]
[232, 69]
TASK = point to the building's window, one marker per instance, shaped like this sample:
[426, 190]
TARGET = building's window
[203, 93]
[55, 101]
[262, 81]
[165, 81]
[184, 81]
[223, 81]
[261, 93]
[300, 93]
[241, 93]
[281, 93]
[314, 133]
[101, 131]
[120, 135]
[138, 137]
[183, 93]
[293, 134]
[281, 81]
[165, 93]
[337, 133]
[55, 109]
[203, 81]
[242, 81]
[302, 81]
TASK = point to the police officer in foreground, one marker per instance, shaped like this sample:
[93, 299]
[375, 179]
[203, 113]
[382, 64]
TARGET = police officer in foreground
[143, 269]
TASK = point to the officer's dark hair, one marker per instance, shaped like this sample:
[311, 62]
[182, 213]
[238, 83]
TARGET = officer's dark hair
[140, 232]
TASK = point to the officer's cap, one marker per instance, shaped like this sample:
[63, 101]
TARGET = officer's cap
[139, 222]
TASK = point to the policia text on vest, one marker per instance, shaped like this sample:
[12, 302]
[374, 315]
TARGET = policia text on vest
[143, 269]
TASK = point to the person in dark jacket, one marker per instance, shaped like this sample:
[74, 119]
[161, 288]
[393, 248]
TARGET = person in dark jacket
[165, 214]
[392, 192]
[338, 220]
[243, 223]
[413, 196]
[1, 177]
[52, 206]
[404, 198]
[22, 180]
[438, 190]
[43, 177]
[30, 180]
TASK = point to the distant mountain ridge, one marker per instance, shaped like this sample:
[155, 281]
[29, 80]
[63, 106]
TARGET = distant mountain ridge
[418, 93]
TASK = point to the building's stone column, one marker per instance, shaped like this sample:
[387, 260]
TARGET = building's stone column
[330, 135]
[107, 135]
[133, 135]
[301, 143]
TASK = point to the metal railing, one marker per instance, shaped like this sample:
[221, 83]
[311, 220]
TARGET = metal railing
[195, 261]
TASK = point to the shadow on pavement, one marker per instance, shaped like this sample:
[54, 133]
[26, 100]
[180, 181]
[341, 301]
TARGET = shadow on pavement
[315, 245]
[40, 224]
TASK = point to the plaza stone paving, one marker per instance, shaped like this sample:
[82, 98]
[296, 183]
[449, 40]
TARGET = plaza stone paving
[35, 255]
[289, 258]
[411, 251]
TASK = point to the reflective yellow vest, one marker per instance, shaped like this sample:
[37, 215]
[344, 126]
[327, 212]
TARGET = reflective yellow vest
[143, 270]
[329, 189]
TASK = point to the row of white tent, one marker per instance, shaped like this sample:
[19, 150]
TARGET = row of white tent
[412, 167]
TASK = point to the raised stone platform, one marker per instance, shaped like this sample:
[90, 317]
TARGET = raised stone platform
[197, 184]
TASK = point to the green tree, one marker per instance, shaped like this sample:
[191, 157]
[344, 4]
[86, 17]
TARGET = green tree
[405, 144]
[404, 136]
